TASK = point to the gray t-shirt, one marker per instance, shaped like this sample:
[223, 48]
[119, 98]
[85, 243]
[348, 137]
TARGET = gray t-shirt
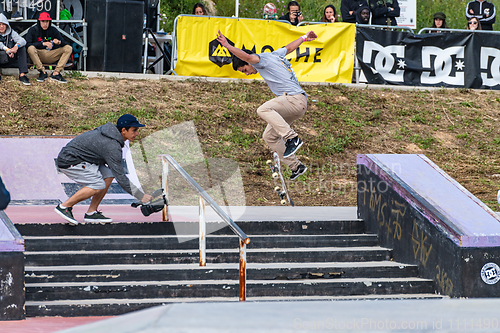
[278, 73]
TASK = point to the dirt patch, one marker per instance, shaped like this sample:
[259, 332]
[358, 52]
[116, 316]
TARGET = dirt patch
[456, 128]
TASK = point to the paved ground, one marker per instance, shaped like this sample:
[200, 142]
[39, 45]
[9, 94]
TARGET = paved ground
[445, 315]
[45, 324]
[125, 213]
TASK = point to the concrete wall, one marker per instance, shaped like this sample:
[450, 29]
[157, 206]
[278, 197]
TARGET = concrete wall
[431, 221]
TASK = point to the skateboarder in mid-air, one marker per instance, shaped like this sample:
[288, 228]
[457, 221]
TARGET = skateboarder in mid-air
[290, 103]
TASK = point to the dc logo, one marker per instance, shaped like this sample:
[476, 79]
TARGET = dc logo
[385, 59]
[443, 65]
[490, 273]
[493, 69]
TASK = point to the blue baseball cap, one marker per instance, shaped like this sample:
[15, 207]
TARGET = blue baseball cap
[128, 120]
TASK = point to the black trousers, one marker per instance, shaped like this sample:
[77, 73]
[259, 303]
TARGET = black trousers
[20, 60]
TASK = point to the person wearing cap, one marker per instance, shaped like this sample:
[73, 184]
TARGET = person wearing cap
[93, 159]
[46, 46]
[15, 48]
[439, 21]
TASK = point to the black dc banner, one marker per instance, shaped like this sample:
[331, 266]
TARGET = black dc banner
[448, 59]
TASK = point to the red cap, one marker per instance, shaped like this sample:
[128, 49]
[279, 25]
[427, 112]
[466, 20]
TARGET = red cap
[44, 16]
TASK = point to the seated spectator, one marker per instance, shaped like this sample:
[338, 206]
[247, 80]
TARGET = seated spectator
[199, 9]
[363, 15]
[14, 47]
[474, 24]
[439, 21]
[329, 14]
[294, 15]
[46, 46]
[384, 12]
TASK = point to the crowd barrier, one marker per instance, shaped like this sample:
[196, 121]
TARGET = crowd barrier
[383, 54]
[328, 59]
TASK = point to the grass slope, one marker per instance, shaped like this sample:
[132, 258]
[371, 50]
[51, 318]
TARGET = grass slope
[455, 128]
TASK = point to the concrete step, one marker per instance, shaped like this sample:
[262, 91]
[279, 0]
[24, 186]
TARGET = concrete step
[153, 242]
[169, 228]
[110, 307]
[225, 288]
[272, 271]
[319, 254]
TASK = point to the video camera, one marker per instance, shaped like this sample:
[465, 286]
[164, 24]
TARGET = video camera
[155, 205]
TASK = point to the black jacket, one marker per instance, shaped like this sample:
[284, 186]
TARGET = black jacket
[381, 14]
[347, 6]
[286, 17]
[36, 36]
[483, 11]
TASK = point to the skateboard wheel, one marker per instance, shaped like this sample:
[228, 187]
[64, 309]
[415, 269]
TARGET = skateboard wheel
[277, 189]
[269, 162]
[275, 175]
[283, 202]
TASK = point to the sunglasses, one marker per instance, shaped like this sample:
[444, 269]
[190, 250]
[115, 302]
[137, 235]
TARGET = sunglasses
[473, 22]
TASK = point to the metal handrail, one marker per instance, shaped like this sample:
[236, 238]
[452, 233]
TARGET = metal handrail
[205, 198]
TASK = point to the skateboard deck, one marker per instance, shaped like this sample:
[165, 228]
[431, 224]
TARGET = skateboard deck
[282, 191]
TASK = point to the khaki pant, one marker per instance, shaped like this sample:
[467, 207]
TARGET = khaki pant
[43, 56]
[280, 113]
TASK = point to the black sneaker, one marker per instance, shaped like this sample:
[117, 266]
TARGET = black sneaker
[24, 80]
[66, 214]
[97, 217]
[292, 145]
[42, 77]
[58, 78]
[17, 16]
[301, 169]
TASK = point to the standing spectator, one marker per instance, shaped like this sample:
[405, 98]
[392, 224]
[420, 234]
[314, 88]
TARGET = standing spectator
[474, 24]
[439, 21]
[199, 9]
[363, 15]
[294, 15]
[46, 46]
[484, 11]
[384, 12]
[329, 14]
[14, 47]
[348, 9]
[4, 196]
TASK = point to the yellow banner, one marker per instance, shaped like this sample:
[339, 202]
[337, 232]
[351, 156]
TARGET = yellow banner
[329, 58]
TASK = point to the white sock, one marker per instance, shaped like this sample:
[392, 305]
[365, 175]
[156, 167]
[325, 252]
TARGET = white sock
[92, 213]
[62, 207]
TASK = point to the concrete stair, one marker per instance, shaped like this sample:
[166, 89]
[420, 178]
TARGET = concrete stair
[110, 269]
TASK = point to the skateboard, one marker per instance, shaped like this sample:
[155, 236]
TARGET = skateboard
[276, 170]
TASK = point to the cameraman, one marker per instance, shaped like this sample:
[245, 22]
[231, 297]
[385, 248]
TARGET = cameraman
[93, 159]
[294, 15]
